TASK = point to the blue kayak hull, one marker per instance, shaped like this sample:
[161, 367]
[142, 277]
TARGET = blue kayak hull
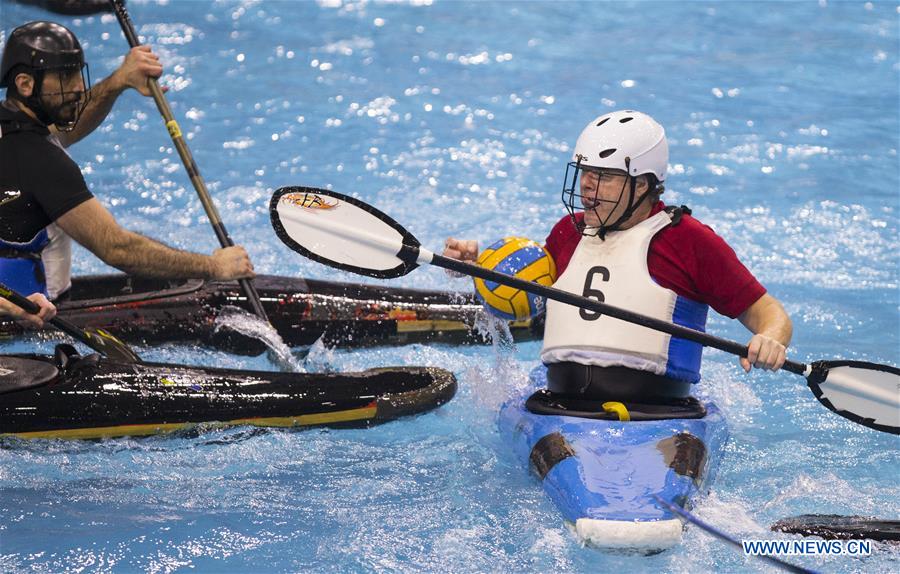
[604, 475]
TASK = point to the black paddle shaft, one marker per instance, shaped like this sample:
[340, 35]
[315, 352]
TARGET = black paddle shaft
[728, 539]
[107, 345]
[33, 308]
[411, 253]
[188, 159]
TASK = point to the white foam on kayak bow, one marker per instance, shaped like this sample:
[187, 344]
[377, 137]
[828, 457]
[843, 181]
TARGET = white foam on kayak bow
[636, 536]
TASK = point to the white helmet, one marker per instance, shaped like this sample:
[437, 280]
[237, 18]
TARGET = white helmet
[628, 141]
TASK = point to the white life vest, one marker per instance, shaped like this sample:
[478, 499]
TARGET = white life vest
[615, 271]
[57, 255]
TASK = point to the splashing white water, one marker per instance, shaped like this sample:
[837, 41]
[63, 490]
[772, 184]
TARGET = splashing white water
[840, 495]
[496, 380]
[730, 515]
[319, 358]
[247, 324]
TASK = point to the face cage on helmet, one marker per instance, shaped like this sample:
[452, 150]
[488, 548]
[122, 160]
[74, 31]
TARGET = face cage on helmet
[52, 115]
[575, 202]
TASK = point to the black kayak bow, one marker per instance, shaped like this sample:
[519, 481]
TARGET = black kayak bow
[346, 233]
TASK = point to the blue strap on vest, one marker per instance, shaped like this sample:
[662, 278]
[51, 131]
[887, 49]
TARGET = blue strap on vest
[685, 356]
[21, 267]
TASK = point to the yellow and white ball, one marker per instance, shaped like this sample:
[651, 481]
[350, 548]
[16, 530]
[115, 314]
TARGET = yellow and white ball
[526, 260]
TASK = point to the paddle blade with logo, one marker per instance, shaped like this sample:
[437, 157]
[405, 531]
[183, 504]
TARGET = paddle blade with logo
[341, 232]
[865, 393]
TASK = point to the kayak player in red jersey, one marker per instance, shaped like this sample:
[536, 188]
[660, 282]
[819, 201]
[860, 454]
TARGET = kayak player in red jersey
[620, 244]
[44, 199]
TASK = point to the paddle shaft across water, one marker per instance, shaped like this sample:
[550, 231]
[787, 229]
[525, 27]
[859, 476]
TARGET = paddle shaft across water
[708, 528]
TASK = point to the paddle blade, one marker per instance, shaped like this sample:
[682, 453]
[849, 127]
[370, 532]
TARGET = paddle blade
[73, 7]
[342, 232]
[837, 527]
[865, 393]
[109, 346]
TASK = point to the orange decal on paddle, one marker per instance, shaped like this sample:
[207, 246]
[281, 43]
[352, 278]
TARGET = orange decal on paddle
[309, 201]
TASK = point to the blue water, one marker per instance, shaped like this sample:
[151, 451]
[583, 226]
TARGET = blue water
[457, 119]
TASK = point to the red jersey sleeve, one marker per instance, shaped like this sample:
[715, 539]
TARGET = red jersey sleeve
[690, 259]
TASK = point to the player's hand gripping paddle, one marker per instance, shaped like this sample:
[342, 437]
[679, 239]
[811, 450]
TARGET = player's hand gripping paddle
[346, 233]
[184, 152]
[97, 339]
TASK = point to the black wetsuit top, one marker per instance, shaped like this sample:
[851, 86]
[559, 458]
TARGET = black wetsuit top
[39, 182]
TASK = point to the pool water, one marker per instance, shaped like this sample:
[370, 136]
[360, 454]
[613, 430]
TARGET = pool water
[457, 118]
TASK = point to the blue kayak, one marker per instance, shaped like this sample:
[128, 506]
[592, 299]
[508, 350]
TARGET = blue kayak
[603, 474]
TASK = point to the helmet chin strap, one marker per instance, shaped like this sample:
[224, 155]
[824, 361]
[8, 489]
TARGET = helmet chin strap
[633, 205]
[626, 215]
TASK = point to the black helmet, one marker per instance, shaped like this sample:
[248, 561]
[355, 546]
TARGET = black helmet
[40, 46]
[35, 49]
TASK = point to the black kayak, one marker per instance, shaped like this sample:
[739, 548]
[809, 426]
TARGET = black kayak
[151, 311]
[69, 396]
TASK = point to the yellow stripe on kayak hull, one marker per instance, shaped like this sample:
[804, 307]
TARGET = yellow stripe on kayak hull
[364, 413]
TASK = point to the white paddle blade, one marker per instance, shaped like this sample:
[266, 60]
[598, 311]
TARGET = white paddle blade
[866, 393]
[341, 232]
